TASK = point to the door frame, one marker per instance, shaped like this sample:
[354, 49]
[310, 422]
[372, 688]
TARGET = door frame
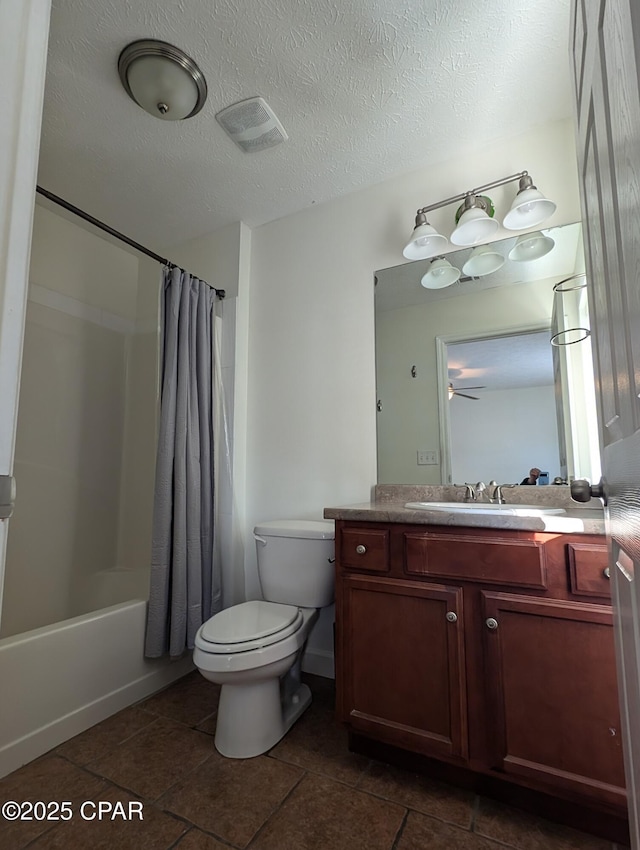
[24, 36]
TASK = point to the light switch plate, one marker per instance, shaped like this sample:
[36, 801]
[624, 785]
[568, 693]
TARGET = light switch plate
[427, 458]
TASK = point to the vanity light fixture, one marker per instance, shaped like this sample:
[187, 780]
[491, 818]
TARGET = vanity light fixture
[483, 260]
[474, 219]
[440, 274]
[529, 208]
[425, 240]
[475, 222]
[531, 246]
[162, 79]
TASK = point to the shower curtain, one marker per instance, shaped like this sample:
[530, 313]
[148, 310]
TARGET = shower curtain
[185, 587]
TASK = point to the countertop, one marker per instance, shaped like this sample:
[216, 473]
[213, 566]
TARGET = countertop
[388, 505]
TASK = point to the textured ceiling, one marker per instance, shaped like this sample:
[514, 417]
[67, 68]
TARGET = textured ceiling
[365, 89]
[502, 363]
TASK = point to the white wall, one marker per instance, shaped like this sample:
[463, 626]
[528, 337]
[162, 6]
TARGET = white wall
[516, 429]
[311, 415]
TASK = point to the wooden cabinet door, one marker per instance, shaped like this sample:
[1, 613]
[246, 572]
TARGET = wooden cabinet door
[401, 676]
[551, 685]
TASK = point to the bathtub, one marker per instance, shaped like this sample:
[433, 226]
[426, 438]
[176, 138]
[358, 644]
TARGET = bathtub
[64, 678]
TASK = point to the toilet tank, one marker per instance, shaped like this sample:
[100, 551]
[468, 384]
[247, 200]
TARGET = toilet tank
[295, 561]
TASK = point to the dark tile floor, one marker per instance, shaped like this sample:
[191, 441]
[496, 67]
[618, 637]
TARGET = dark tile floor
[308, 793]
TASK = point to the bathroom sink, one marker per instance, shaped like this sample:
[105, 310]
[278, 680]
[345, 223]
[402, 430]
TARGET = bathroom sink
[483, 508]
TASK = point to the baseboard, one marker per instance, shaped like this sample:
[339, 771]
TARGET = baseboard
[319, 662]
[40, 741]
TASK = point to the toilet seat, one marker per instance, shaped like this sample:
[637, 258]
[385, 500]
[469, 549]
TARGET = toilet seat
[248, 626]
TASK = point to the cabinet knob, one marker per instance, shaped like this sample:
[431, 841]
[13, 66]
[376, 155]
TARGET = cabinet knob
[491, 623]
[360, 549]
[606, 572]
[452, 617]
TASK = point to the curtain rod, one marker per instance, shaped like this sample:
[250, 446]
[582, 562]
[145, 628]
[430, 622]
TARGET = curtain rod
[102, 226]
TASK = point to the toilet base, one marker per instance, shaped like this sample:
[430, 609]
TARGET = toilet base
[253, 717]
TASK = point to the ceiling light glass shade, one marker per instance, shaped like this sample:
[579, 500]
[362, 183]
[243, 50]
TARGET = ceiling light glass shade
[425, 241]
[441, 273]
[474, 222]
[162, 79]
[474, 226]
[483, 260]
[531, 246]
[529, 207]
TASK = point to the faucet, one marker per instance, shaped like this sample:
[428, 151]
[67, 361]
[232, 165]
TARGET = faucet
[476, 492]
[470, 493]
[482, 494]
[497, 493]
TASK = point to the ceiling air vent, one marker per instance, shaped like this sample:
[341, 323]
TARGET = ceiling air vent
[252, 125]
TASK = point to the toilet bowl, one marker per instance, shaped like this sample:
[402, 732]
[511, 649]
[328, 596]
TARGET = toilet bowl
[254, 649]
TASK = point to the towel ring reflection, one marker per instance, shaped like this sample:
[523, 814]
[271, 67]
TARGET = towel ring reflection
[565, 285]
[557, 340]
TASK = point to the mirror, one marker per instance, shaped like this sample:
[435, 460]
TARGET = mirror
[489, 337]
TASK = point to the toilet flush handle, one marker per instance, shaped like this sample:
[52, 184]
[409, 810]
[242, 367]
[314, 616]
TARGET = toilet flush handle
[260, 539]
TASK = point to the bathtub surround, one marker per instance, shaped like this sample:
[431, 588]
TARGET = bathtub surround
[185, 585]
[66, 652]
[85, 442]
[63, 678]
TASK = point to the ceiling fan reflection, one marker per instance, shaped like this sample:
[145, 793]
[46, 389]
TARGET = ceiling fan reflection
[456, 391]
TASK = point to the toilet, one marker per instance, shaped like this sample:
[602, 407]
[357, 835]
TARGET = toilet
[254, 649]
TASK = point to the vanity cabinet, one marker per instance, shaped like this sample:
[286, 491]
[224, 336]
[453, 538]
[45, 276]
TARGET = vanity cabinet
[401, 649]
[490, 650]
[552, 694]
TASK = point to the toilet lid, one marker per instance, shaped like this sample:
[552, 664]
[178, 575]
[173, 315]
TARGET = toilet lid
[250, 625]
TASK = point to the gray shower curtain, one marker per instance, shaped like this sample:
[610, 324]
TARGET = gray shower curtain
[185, 582]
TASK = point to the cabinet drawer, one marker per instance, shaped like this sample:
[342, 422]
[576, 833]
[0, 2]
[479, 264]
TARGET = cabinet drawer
[589, 569]
[365, 549]
[520, 563]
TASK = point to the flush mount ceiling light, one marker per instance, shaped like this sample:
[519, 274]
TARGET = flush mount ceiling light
[475, 223]
[441, 273]
[162, 79]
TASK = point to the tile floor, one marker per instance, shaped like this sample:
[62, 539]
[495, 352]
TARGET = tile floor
[308, 793]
